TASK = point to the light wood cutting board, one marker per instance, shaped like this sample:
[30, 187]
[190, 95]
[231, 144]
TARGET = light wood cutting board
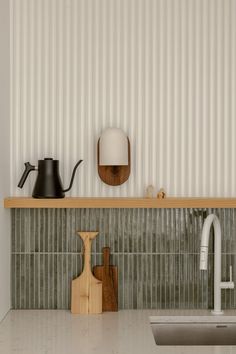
[86, 295]
[108, 274]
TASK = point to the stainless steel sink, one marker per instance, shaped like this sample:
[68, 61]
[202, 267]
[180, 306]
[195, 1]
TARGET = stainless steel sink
[194, 333]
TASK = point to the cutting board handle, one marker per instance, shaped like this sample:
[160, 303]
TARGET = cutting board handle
[87, 237]
[106, 256]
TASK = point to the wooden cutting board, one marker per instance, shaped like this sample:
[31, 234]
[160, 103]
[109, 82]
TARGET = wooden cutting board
[86, 294]
[109, 276]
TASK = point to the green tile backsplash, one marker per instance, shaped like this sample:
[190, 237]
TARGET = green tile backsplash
[156, 251]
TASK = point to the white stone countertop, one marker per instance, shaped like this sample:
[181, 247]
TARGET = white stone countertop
[123, 332]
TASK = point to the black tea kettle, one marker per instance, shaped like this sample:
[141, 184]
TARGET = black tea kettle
[48, 183]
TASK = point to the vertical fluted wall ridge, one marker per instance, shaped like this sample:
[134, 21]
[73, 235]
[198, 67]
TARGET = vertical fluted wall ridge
[163, 70]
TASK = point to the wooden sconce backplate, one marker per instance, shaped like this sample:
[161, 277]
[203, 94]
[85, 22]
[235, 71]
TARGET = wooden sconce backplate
[114, 175]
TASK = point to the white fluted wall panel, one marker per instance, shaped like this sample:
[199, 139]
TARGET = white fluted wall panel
[163, 70]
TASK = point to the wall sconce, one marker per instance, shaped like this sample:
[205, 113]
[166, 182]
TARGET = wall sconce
[113, 157]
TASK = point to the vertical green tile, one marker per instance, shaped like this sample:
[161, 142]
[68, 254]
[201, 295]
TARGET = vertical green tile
[156, 251]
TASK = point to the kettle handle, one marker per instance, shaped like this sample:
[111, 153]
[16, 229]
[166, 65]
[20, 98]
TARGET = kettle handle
[28, 169]
[72, 177]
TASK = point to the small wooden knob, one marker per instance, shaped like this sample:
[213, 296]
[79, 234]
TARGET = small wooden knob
[161, 194]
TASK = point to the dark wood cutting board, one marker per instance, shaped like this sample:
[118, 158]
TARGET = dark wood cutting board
[108, 274]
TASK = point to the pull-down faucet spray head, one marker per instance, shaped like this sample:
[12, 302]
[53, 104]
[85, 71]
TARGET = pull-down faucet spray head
[205, 239]
[203, 257]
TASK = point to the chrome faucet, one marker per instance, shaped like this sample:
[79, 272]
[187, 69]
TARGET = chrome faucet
[218, 284]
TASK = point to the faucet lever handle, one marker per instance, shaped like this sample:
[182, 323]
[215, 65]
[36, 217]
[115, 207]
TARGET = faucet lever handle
[230, 273]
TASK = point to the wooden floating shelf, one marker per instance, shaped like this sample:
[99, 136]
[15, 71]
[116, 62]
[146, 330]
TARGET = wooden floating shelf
[22, 202]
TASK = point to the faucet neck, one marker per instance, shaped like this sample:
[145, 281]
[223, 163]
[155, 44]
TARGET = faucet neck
[211, 219]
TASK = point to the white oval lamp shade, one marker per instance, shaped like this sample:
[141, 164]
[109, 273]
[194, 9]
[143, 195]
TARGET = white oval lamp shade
[113, 148]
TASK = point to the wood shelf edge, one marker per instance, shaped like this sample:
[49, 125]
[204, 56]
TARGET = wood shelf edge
[81, 202]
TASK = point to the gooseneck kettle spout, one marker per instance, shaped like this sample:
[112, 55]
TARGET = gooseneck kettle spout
[48, 182]
[73, 176]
